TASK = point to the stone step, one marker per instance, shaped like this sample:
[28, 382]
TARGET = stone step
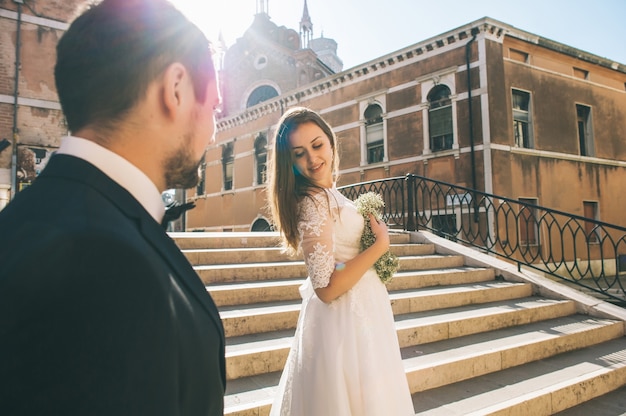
[251, 272]
[251, 396]
[412, 249]
[456, 359]
[253, 351]
[257, 354]
[441, 297]
[242, 318]
[223, 273]
[212, 256]
[612, 403]
[251, 292]
[444, 366]
[437, 325]
[471, 342]
[245, 293]
[543, 387]
[414, 279]
[205, 240]
[216, 256]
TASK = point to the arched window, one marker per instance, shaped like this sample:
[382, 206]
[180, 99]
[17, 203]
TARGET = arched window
[228, 159]
[261, 224]
[374, 133]
[440, 118]
[260, 157]
[260, 94]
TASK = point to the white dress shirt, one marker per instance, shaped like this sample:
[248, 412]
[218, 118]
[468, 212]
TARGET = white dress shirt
[120, 170]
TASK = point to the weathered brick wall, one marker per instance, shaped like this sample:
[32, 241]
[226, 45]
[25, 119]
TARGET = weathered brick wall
[40, 126]
[6, 122]
[37, 59]
[60, 10]
[7, 55]
[40, 122]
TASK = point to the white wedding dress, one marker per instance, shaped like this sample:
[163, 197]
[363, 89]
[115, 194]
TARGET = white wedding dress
[345, 359]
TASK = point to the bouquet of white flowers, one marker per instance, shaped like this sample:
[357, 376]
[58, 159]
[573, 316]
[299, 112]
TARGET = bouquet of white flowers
[372, 203]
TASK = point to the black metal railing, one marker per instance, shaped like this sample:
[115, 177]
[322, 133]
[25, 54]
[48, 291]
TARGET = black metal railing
[583, 251]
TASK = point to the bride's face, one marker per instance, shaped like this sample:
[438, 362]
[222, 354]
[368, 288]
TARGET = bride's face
[312, 154]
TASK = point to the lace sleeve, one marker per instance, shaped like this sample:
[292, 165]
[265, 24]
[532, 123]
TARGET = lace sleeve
[315, 225]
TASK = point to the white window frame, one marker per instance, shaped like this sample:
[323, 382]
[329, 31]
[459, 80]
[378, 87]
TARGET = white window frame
[381, 100]
[225, 169]
[589, 139]
[255, 181]
[449, 80]
[530, 122]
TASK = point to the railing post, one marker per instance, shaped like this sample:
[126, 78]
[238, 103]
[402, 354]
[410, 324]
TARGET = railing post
[410, 224]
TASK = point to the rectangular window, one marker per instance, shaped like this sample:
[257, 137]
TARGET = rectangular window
[590, 209]
[261, 168]
[261, 172]
[375, 152]
[228, 176]
[260, 157]
[581, 73]
[374, 135]
[440, 125]
[585, 132]
[519, 56]
[528, 222]
[522, 119]
[228, 160]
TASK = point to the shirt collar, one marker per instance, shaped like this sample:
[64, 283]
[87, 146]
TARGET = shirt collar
[120, 170]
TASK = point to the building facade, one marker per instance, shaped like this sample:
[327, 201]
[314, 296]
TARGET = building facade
[267, 61]
[486, 105]
[31, 120]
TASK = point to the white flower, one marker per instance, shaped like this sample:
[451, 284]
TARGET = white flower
[372, 203]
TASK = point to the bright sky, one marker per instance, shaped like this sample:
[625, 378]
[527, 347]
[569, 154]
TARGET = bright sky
[368, 29]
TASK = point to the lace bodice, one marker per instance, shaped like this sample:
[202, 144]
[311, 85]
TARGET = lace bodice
[330, 231]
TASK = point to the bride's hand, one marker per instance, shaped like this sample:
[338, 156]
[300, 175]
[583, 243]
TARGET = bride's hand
[379, 228]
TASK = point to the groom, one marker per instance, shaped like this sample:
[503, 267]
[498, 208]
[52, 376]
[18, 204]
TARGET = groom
[100, 312]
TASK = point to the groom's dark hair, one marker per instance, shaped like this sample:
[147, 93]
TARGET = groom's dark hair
[111, 53]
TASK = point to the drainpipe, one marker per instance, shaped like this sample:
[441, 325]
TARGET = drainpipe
[468, 55]
[18, 41]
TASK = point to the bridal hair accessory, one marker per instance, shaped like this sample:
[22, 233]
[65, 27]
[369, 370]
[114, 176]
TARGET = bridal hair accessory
[372, 203]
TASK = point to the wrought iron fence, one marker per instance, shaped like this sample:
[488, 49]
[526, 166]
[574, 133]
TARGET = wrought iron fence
[583, 251]
[393, 192]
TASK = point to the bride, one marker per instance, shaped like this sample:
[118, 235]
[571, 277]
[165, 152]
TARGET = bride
[345, 358]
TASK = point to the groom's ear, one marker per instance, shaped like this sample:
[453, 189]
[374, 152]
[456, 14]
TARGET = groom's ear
[177, 90]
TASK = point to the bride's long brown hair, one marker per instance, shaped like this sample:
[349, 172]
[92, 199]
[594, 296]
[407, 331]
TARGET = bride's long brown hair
[285, 186]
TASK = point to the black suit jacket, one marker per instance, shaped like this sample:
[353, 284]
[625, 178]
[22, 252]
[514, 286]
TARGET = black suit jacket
[100, 312]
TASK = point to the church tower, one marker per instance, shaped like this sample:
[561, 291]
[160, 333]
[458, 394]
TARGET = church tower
[269, 60]
[262, 7]
[306, 28]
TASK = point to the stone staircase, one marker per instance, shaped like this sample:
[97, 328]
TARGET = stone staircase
[477, 336]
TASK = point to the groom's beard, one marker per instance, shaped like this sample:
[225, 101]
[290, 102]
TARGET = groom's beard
[181, 170]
